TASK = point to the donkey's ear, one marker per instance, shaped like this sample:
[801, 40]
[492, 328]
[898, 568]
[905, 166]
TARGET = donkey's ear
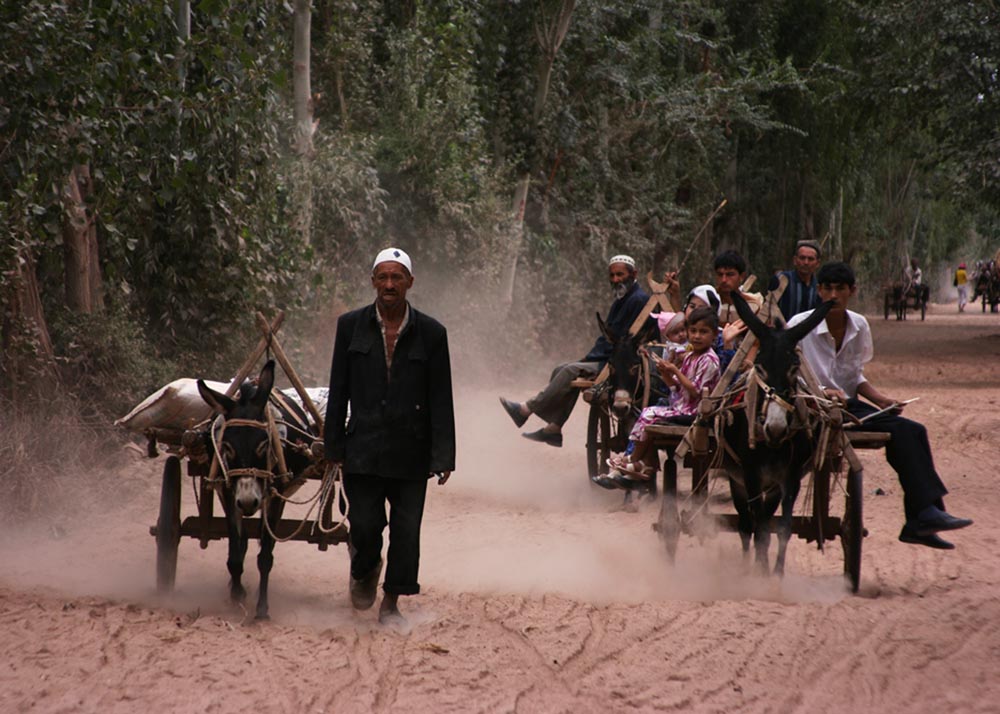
[797, 332]
[604, 329]
[758, 328]
[649, 332]
[219, 402]
[265, 382]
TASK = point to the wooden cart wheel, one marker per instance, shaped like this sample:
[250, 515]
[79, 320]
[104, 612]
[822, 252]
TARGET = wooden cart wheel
[669, 523]
[598, 439]
[647, 382]
[168, 525]
[852, 531]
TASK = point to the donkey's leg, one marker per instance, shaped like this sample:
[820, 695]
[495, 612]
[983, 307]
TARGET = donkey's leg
[764, 504]
[744, 520]
[789, 495]
[762, 536]
[237, 547]
[265, 559]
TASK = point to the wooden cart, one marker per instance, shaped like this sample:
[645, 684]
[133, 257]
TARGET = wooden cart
[840, 473]
[205, 526]
[896, 300]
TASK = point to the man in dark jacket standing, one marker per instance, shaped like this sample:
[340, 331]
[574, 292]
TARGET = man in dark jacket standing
[800, 295]
[555, 402]
[391, 365]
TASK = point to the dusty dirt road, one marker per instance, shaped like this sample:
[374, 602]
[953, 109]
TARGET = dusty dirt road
[540, 593]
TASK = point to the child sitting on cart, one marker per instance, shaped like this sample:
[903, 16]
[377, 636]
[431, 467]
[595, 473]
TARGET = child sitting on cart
[699, 369]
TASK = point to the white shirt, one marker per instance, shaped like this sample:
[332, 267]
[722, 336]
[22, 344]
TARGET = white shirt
[843, 369]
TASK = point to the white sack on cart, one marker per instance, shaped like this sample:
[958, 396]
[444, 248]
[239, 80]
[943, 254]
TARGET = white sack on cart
[178, 405]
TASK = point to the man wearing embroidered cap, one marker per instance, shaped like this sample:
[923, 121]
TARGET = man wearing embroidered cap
[391, 368]
[555, 402]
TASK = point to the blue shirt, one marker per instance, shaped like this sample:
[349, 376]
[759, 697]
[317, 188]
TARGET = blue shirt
[798, 297]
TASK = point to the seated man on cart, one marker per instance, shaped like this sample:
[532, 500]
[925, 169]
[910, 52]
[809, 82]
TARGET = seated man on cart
[837, 350]
[555, 402]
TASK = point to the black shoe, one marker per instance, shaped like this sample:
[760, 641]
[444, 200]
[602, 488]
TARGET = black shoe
[363, 590]
[932, 520]
[931, 540]
[546, 437]
[513, 410]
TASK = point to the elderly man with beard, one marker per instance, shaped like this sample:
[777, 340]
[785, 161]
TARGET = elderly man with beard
[555, 402]
[391, 366]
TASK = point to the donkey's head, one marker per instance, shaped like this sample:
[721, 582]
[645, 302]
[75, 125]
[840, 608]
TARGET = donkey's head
[624, 363]
[776, 368]
[243, 446]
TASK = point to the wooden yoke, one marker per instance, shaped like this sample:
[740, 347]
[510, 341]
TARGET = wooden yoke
[257, 353]
[657, 297]
[769, 308]
[293, 377]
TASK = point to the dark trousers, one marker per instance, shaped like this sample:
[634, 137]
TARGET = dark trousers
[367, 497]
[555, 402]
[909, 454]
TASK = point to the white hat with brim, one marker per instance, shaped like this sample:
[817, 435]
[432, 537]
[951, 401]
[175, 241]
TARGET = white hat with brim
[395, 255]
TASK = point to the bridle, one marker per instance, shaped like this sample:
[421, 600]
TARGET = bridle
[275, 453]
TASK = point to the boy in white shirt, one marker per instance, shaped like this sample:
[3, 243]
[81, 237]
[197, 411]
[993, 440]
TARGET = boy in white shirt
[837, 350]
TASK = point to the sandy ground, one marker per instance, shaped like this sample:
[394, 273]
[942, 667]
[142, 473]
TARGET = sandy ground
[540, 593]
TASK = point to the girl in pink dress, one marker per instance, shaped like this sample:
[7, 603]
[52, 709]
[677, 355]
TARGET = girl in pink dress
[699, 370]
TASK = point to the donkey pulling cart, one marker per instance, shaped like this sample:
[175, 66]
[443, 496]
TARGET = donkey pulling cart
[713, 444]
[287, 452]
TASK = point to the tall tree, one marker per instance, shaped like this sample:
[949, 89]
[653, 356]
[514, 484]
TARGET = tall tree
[305, 127]
[551, 25]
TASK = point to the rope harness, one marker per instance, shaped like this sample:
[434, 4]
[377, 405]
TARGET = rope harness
[809, 412]
[331, 483]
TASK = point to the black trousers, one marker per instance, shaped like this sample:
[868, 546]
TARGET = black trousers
[909, 454]
[367, 496]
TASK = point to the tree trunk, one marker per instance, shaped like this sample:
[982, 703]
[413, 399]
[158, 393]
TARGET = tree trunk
[550, 31]
[304, 126]
[25, 345]
[182, 20]
[84, 292]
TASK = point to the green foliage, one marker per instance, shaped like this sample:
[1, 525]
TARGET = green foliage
[656, 111]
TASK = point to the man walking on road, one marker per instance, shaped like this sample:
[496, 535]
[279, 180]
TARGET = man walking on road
[391, 367]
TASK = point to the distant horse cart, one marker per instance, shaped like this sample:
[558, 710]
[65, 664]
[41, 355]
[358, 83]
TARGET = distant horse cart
[986, 284]
[897, 299]
[252, 447]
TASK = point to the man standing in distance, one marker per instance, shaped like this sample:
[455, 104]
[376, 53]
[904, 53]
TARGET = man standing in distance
[391, 366]
[800, 295]
[555, 402]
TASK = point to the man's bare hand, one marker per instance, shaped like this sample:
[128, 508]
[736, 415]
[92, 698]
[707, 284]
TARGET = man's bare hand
[442, 477]
[836, 395]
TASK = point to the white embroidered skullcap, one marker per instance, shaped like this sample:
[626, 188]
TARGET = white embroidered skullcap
[394, 254]
[627, 259]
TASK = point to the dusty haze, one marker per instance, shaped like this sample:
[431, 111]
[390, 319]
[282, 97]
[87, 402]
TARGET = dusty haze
[540, 593]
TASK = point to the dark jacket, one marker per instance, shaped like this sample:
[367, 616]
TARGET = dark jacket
[400, 427]
[798, 297]
[622, 314]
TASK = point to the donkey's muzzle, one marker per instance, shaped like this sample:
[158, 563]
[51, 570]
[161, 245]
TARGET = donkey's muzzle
[622, 403]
